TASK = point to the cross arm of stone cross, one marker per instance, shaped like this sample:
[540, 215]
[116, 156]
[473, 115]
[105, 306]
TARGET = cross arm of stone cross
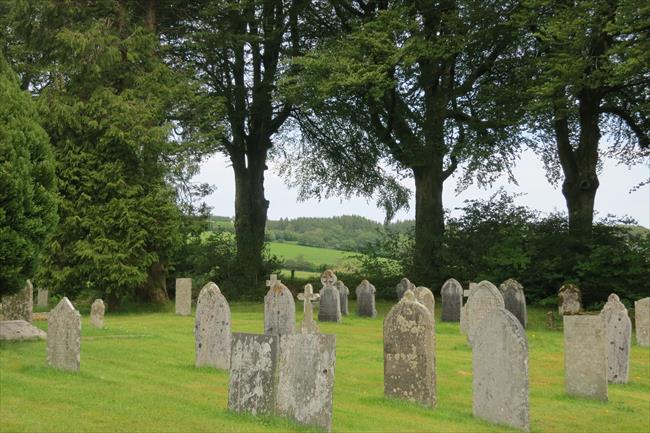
[308, 295]
[273, 281]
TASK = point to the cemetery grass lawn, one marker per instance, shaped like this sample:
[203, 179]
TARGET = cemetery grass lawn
[138, 374]
[316, 256]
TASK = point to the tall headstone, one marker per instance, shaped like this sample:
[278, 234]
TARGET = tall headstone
[485, 298]
[425, 297]
[410, 352]
[585, 356]
[184, 296]
[569, 299]
[500, 370]
[212, 328]
[309, 325]
[642, 320]
[97, 310]
[403, 286]
[20, 305]
[365, 293]
[514, 299]
[452, 300]
[343, 294]
[329, 309]
[618, 329]
[464, 314]
[64, 337]
[279, 308]
[43, 298]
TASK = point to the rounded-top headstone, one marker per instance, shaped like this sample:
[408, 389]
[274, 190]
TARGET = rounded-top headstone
[403, 286]
[212, 328]
[64, 336]
[618, 328]
[451, 294]
[425, 297]
[485, 298]
[365, 293]
[329, 307]
[642, 320]
[97, 310]
[279, 310]
[570, 299]
[514, 299]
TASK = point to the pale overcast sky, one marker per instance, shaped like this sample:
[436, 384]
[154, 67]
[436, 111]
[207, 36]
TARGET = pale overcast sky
[613, 197]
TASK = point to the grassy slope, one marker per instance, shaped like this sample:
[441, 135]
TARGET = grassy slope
[317, 256]
[138, 375]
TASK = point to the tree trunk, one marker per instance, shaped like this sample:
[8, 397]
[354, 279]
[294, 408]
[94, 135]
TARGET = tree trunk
[155, 288]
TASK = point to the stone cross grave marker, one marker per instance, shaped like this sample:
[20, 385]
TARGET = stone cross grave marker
[515, 299]
[212, 328]
[64, 337]
[585, 356]
[343, 293]
[452, 300]
[329, 309]
[279, 308]
[365, 293]
[309, 325]
[569, 299]
[618, 329]
[183, 296]
[97, 310]
[20, 305]
[642, 320]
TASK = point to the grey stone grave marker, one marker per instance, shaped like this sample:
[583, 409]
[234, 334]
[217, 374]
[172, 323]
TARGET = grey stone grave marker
[64, 337]
[569, 299]
[485, 298]
[403, 286]
[452, 300]
[184, 296]
[343, 293]
[425, 297]
[212, 328]
[329, 309]
[20, 305]
[279, 308]
[97, 310]
[585, 356]
[43, 298]
[642, 320]
[365, 293]
[515, 299]
[618, 329]
[309, 325]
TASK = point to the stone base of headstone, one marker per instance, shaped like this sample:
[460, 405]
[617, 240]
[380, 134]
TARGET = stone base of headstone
[20, 330]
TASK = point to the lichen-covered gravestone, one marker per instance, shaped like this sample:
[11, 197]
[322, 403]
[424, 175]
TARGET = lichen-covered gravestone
[514, 299]
[464, 314]
[97, 310]
[569, 299]
[306, 378]
[212, 328]
[279, 309]
[43, 298]
[20, 305]
[19, 330]
[452, 300]
[642, 320]
[618, 328]
[410, 352]
[343, 294]
[184, 296]
[403, 286]
[485, 298]
[329, 309]
[365, 293]
[425, 297]
[64, 337]
[585, 356]
[253, 372]
[500, 370]
[308, 325]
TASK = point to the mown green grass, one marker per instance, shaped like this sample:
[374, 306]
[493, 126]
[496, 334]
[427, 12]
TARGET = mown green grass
[137, 374]
[317, 256]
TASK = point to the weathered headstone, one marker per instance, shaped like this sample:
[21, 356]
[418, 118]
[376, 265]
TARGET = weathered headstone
[642, 320]
[20, 305]
[43, 298]
[403, 286]
[212, 328]
[279, 308]
[343, 294]
[365, 293]
[97, 310]
[550, 320]
[585, 356]
[253, 372]
[618, 329]
[329, 309]
[569, 299]
[410, 352]
[452, 300]
[425, 297]
[306, 378]
[309, 325]
[19, 330]
[184, 296]
[500, 370]
[464, 314]
[64, 337]
[515, 300]
[485, 298]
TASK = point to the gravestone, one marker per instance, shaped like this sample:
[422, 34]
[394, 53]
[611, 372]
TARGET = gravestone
[585, 356]
[464, 315]
[452, 300]
[410, 352]
[64, 337]
[642, 320]
[365, 293]
[306, 378]
[184, 296]
[500, 370]
[425, 297]
[485, 298]
[343, 293]
[569, 299]
[329, 309]
[514, 299]
[19, 330]
[43, 298]
[97, 310]
[20, 305]
[403, 286]
[308, 325]
[618, 329]
[253, 372]
[279, 308]
[212, 328]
